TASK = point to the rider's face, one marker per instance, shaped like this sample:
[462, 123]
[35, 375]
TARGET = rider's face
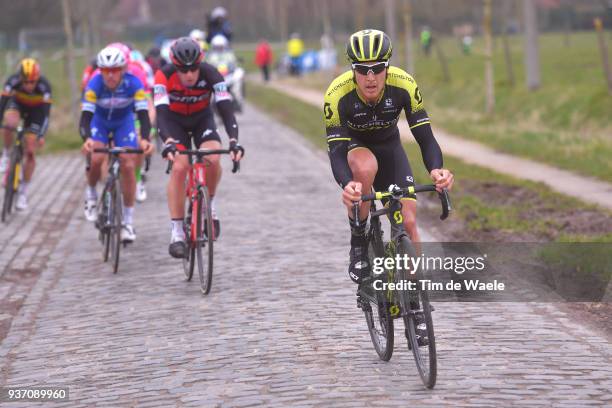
[29, 86]
[370, 85]
[189, 78]
[112, 76]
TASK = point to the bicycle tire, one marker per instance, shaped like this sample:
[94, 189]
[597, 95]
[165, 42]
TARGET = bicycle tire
[424, 354]
[102, 224]
[189, 261]
[7, 203]
[204, 257]
[116, 224]
[380, 323]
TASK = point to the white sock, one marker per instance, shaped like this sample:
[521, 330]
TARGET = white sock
[23, 187]
[91, 193]
[178, 233]
[128, 215]
[213, 208]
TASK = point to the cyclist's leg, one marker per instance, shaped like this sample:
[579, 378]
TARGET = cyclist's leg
[125, 136]
[99, 135]
[364, 166]
[206, 137]
[35, 124]
[395, 169]
[12, 116]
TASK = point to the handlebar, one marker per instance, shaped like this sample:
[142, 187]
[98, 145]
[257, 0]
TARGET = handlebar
[118, 150]
[398, 193]
[201, 153]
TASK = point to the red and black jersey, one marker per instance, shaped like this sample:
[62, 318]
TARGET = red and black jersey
[168, 89]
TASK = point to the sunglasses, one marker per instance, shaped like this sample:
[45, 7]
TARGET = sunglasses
[30, 82]
[377, 68]
[190, 68]
[110, 70]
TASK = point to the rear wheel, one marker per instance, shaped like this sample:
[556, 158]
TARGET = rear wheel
[204, 255]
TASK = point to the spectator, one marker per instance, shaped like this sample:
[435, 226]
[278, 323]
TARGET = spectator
[295, 49]
[263, 58]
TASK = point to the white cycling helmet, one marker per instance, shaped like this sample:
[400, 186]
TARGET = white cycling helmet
[111, 57]
[218, 12]
[219, 43]
[197, 35]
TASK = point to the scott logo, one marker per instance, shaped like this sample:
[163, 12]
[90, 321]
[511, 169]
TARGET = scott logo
[328, 111]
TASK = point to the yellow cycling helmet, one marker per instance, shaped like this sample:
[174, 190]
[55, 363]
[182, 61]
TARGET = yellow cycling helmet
[369, 45]
[29, 69]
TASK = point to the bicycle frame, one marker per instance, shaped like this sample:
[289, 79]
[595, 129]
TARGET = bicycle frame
[195, 181]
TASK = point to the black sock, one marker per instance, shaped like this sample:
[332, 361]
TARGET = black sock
[358, 233]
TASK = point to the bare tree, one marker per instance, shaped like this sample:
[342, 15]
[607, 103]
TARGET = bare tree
[506, 10]
[408, 40]
[70, 57]
[488, 36]
[532, 54]
[603, 48]
[390, 14]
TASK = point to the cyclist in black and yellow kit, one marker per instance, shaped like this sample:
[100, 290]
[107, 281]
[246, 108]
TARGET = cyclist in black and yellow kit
[362, 108]
[26, 95]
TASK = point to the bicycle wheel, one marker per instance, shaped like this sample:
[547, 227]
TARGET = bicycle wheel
[115, 230]
[204, 257]
[189, 261]
[418, 322]
[374, 303]
[9, 181]
[103, 223]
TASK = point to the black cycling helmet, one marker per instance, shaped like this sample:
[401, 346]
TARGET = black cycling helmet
[369, 46]
[185, 52]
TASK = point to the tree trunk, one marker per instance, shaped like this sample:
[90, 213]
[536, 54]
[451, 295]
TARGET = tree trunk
[489, 84]
[507, 11]
[408, 40]
[603, 48]
[390, 19]
[70, 58]
[532, 57]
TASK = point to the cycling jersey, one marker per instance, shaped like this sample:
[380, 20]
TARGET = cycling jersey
[169, 91]
[34, 107]
[351, 122]
[184, 112]
[113, 111]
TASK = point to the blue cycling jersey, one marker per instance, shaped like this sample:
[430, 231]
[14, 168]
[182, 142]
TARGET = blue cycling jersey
[118, 104]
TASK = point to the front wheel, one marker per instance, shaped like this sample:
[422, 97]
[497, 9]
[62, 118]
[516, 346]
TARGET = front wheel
[416, 311]
[375, 304]
[11, 183]
[115, 231]
[204, 230]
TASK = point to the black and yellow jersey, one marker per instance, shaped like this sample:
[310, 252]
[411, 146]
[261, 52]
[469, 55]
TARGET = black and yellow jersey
[349, 117]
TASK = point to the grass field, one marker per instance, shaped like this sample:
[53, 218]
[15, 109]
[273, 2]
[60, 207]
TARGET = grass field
[485, 201]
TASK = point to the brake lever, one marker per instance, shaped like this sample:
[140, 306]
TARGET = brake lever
[446, 204]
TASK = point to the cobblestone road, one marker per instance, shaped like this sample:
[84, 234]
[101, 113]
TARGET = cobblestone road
[280, 327]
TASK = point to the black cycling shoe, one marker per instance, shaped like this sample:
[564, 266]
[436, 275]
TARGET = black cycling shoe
[178, 249]
[359, 267]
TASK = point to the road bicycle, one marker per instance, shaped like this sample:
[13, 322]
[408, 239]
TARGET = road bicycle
[13, 174]
[198, 219]
[382, 306]
[110, 205]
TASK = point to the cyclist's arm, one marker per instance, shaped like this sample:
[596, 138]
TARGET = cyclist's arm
[88, 108]
[161, 101]
[223, 100]
[7, 91]
[420, 127]
[337, 148]
[141, 105]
